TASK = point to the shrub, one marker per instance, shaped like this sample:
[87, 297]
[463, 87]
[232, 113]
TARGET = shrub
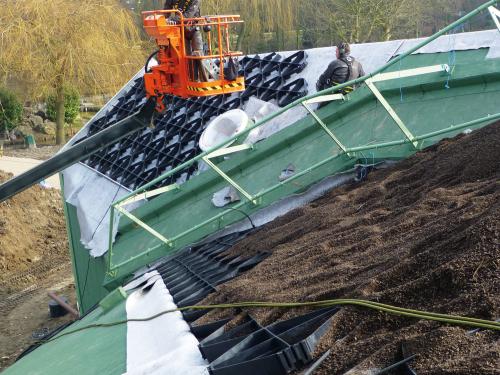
[71, 105]
[11, 110]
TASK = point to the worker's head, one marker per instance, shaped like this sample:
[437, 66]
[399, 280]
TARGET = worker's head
[343, 48]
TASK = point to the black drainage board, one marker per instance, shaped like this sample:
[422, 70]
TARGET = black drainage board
[276, 349]
[194, 273]
[140, 158]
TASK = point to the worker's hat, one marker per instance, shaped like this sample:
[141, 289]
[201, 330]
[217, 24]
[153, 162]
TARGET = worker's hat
[343, 48]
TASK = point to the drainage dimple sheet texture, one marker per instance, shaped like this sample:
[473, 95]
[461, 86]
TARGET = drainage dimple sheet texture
[140, 158]
[193, 273]
[168, 344]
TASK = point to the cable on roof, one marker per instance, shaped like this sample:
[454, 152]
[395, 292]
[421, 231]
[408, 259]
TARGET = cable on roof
[244, 213]
[409, 313]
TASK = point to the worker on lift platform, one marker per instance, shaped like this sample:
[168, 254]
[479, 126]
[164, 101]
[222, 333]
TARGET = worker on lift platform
[186, 67]
[194, 40]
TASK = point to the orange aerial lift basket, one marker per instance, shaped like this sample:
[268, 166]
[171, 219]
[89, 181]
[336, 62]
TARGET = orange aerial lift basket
[186, 73]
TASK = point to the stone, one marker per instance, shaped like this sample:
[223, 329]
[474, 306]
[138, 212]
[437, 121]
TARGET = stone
[49, 128]
[37, 121]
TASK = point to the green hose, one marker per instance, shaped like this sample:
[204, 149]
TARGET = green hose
[443, 318]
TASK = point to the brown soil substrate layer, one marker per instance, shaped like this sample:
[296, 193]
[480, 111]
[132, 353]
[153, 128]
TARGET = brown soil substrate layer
[32, 234]
[34, 258]
[424, 234]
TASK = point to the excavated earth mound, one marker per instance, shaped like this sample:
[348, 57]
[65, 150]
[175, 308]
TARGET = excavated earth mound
[34, 257]
[32, 235]
[424, 234]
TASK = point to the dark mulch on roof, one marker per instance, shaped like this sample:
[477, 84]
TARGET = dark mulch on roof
[424, 234]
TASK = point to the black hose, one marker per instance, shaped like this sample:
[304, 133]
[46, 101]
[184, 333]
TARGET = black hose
[244, 213]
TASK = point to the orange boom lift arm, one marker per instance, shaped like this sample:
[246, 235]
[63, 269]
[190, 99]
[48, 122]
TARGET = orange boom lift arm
[177, 72]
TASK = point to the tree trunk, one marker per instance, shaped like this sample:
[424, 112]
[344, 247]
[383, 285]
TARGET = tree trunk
[60, 115]
[387, 32]
[241, 37]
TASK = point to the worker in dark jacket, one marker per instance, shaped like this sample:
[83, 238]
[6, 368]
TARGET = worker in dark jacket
[344, 68]
[189, 8]
[194, 40]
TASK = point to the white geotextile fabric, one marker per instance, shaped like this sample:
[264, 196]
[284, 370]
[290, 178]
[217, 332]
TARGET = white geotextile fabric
[90, 202]
[458, 42]
[164, 345]
[257, 109]
[92, 194]
[285, 205]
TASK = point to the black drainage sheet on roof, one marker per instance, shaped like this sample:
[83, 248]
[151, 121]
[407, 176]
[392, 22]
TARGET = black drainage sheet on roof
[141, 157]
[250, 348]
[195, 272]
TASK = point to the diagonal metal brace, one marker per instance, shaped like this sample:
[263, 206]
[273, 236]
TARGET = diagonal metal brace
[495, 14]
[143, 225]
[229, 180]
[391, 112]
[148, 194]
[322, 124]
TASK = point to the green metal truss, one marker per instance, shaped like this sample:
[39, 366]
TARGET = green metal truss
[364, 126]
[373, 123]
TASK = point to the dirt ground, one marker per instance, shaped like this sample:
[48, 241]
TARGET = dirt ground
[32, 229]
[34, 258]
[424, 234]
[39, 153]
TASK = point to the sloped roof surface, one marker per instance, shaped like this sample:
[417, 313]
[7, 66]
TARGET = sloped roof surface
[142, 157]
[108, 175]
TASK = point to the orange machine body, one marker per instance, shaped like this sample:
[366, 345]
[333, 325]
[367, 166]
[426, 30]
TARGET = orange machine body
[175, 73]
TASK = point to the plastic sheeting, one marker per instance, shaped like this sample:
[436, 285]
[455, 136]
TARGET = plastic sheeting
[292, 202]
[286, 205]
[92, 194]
[458, 42]
[164, 345]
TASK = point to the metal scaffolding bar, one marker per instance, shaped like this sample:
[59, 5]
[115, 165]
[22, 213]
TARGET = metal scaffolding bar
[143, 225]
[323, 125]
[229, 180]
[495, 14]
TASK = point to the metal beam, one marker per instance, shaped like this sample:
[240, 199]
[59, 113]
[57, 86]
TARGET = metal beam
[143, 225]
[79, 151]
[148, 194]
[325, 98]
[391, 112]
[229, 150]
[229, 180]
[409, 73]
[325, 128]
[495, 14]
